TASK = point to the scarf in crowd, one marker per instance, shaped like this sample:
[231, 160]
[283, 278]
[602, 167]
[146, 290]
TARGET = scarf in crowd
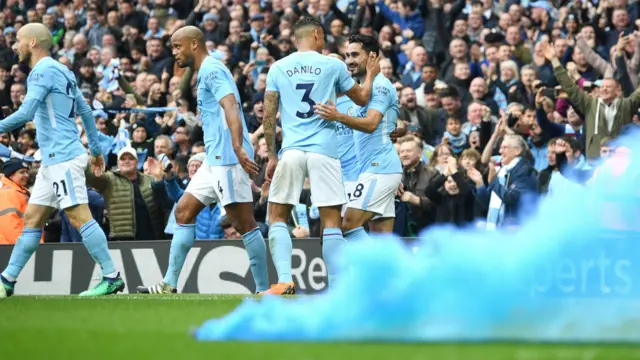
[495, 216]
[148, 110]
[458, 143]
[110, 76]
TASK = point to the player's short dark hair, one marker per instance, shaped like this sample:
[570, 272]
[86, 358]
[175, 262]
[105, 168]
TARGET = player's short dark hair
[306, 22]
[368, 43]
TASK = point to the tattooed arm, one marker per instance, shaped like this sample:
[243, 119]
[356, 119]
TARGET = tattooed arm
[271, 105]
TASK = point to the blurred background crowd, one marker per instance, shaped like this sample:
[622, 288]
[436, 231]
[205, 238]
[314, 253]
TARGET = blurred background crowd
[511, 98]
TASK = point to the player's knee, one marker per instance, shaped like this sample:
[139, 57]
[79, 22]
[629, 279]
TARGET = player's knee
[32, 222]
[35, 217]
[244, 221]
[184, 214]
[78, 215]
[278, 213]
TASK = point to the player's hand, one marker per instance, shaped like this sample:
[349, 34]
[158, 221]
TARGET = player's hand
[249, 166]
[98, 165]
[271, 168]
[373, 64]
[400, 190]
[327, 111]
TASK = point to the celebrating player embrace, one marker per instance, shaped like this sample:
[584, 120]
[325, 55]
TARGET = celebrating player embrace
[380, 173]
[295, 84]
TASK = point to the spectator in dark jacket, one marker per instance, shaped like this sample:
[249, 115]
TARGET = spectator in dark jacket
[513, 188]
[417, 177]
[452, 194]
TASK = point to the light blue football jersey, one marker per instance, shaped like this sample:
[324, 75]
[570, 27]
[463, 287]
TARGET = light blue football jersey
[304, 79]
[346, 142]
[58, 100]
[214, 83]
[376, 153]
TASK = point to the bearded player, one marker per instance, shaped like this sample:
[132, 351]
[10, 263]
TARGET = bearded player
[224, 176]
[53, 100]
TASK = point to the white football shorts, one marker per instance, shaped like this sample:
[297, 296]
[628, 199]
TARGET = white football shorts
[375, 193]
[226, 184]
[62, 185]
[324, 173]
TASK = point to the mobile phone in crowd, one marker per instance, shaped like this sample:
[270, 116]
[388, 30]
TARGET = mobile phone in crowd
[166, 162]
[550, 93]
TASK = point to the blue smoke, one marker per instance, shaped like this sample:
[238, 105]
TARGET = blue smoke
[571, 273]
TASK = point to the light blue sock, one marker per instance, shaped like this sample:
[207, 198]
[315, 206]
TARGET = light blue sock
[257, 250]
[183, 237]
[281, 249]
[95, 241]
[357, 234]
[25, 247]
[332, 242]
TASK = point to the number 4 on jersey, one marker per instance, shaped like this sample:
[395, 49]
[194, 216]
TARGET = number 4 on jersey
[307, 87]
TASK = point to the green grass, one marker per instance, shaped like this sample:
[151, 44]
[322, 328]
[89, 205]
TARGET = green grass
[136, 327]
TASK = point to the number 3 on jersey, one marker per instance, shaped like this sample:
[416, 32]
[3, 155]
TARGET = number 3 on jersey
[307, 87]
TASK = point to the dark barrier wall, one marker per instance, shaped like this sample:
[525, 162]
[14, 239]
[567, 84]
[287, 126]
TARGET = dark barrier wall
[212, 267]
[607, 268]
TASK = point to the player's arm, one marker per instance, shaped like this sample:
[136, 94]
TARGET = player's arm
[380, 101]
[234, 120]
[216, 81]
[83, 109]
[271, 105]
[38, 89]
[25, 113]
[368, 124]
[360, 94]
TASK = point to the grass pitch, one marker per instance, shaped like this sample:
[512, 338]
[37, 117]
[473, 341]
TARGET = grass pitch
[157, 327]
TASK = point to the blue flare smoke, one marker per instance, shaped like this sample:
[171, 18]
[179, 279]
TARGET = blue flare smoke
[569, 274]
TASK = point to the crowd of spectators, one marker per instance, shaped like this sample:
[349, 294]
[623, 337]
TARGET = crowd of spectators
[500, 102]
